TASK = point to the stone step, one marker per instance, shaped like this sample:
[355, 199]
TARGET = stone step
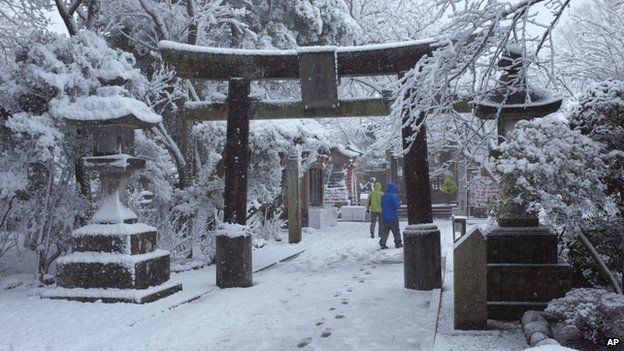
[521, 245]
[133, 239]
[114, 295]
[112, 270]
[509, 311]
[527, 282]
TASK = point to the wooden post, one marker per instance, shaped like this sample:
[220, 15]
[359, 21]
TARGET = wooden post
[294, 202]
[305, 198]
[236, 158]
[416, 171]
[416, 174]
[233, 254]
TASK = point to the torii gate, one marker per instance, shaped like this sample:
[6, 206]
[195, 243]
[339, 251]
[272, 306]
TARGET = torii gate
[318, 69]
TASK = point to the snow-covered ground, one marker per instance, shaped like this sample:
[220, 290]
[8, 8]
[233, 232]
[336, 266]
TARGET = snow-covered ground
[341, 293]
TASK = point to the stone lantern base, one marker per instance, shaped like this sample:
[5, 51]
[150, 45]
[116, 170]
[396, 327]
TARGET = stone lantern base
[114, 263]
[523, 271]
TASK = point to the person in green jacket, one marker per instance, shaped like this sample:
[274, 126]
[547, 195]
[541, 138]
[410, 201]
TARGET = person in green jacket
[374, 207]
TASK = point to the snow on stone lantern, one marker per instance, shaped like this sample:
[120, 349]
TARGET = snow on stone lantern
[115, 258]
[522, 264]
[514, 100]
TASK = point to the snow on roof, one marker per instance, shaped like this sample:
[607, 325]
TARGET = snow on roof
[101, 108]
[347, 152]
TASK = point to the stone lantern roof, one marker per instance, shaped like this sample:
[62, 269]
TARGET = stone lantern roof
[513, 99]
[112, 110]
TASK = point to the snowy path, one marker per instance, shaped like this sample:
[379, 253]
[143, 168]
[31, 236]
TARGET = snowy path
[342, 293]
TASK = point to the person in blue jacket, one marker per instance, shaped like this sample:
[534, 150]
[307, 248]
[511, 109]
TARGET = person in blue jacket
[390, 216]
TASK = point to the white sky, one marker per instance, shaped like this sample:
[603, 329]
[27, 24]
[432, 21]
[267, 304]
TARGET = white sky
[543, 16]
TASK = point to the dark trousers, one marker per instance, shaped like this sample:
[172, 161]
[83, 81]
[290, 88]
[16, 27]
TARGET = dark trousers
[375, 218]
[386, 227]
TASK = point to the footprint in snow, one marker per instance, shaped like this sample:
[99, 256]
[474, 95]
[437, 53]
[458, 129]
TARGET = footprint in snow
[304, 342]
[327, 332]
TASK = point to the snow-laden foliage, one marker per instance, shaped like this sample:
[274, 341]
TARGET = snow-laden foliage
[599, 314]
[477, 35]
[600, 115]
[38, 150]
[18, 20]
[591, 44]
[287, 23]
[544, 165]
[186, 217]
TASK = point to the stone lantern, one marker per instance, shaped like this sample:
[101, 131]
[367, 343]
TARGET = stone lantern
[115, 258]
[523, 268]
[514, 100]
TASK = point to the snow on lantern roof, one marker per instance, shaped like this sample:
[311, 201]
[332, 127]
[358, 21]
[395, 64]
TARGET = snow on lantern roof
[106, 110]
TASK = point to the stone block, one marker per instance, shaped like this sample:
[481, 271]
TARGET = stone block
[133, 244]
[512, 310]
[108, 270]
[470, 282]
[527, 282]
[322, 217]
[353, 213]
[522, 245]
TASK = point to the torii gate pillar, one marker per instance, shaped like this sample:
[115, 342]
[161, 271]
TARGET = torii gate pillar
[233, 254]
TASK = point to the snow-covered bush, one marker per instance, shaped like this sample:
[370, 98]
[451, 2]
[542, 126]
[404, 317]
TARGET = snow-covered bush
[267, 222]
[544, 165]
[38, 151]
[600, 115]
[597, 313]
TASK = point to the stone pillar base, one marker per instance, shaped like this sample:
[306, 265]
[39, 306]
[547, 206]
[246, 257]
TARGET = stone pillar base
[233, 258]
[421, 257]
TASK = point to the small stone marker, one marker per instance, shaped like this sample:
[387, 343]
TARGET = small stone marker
[459, 226]
[470, 281]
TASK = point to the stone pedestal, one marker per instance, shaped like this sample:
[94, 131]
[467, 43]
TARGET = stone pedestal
[114, 263]
[523, 271]
[421, 257]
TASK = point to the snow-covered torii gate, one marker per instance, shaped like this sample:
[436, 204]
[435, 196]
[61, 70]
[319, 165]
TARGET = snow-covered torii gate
[318, 69]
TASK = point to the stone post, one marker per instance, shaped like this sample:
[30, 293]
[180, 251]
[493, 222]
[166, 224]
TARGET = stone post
[470, 281]
[233, 254]
[421, 257]
[294, 201]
